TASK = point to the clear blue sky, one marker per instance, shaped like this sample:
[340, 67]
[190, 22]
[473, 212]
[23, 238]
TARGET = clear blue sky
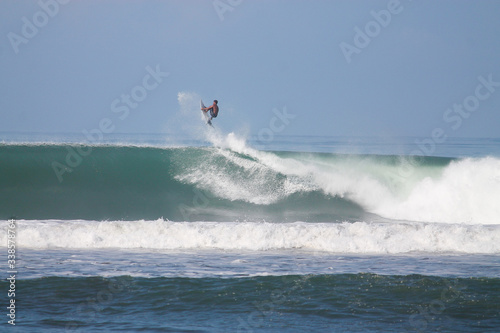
[253, 56]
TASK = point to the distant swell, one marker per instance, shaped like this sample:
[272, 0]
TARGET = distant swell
[231, 181]
[358, 237]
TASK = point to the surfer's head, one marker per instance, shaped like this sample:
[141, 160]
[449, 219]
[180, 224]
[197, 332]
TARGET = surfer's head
[216, 101]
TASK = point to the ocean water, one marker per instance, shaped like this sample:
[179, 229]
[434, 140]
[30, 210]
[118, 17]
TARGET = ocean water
[223, 233]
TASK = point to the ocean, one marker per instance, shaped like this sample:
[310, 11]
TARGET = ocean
[223, 233]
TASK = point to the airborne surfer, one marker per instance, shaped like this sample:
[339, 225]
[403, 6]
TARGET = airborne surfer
[214, 111]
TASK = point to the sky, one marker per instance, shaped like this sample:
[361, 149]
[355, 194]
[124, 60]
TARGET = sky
[295, 67]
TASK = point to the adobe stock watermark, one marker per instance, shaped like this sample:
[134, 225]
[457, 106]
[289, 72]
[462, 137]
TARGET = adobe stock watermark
[30, 27]
[471, 103]
[223, 6]
[432, 311]
[201, 200]
[12, 271]
[267, 308]
[371, 30]
[277, 124]
[454, 117]
[121, 106]
[89, 308]
[264, 310]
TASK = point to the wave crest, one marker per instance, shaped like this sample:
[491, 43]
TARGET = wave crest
[243, 183]
[358, 237]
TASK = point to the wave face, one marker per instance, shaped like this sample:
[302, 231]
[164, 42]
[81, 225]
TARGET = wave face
[230, 181]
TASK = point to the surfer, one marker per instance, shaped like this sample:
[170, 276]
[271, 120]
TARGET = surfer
[214, 110]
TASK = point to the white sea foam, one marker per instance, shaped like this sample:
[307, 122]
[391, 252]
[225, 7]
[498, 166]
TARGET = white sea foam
[359, 237]
[465, 191]
[468, 191]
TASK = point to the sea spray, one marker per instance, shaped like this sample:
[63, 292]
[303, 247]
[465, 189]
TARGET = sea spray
[140, 182]
[345, 237]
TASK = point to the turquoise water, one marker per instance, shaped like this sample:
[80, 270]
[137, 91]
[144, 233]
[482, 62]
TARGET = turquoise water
[226, 234]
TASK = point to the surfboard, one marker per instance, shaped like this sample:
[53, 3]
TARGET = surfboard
[205, 114]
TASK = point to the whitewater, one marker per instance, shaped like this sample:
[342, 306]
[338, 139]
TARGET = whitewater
[351, 238]
[458, 191]
[308, 233]
[229, 195]
[214, 180]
